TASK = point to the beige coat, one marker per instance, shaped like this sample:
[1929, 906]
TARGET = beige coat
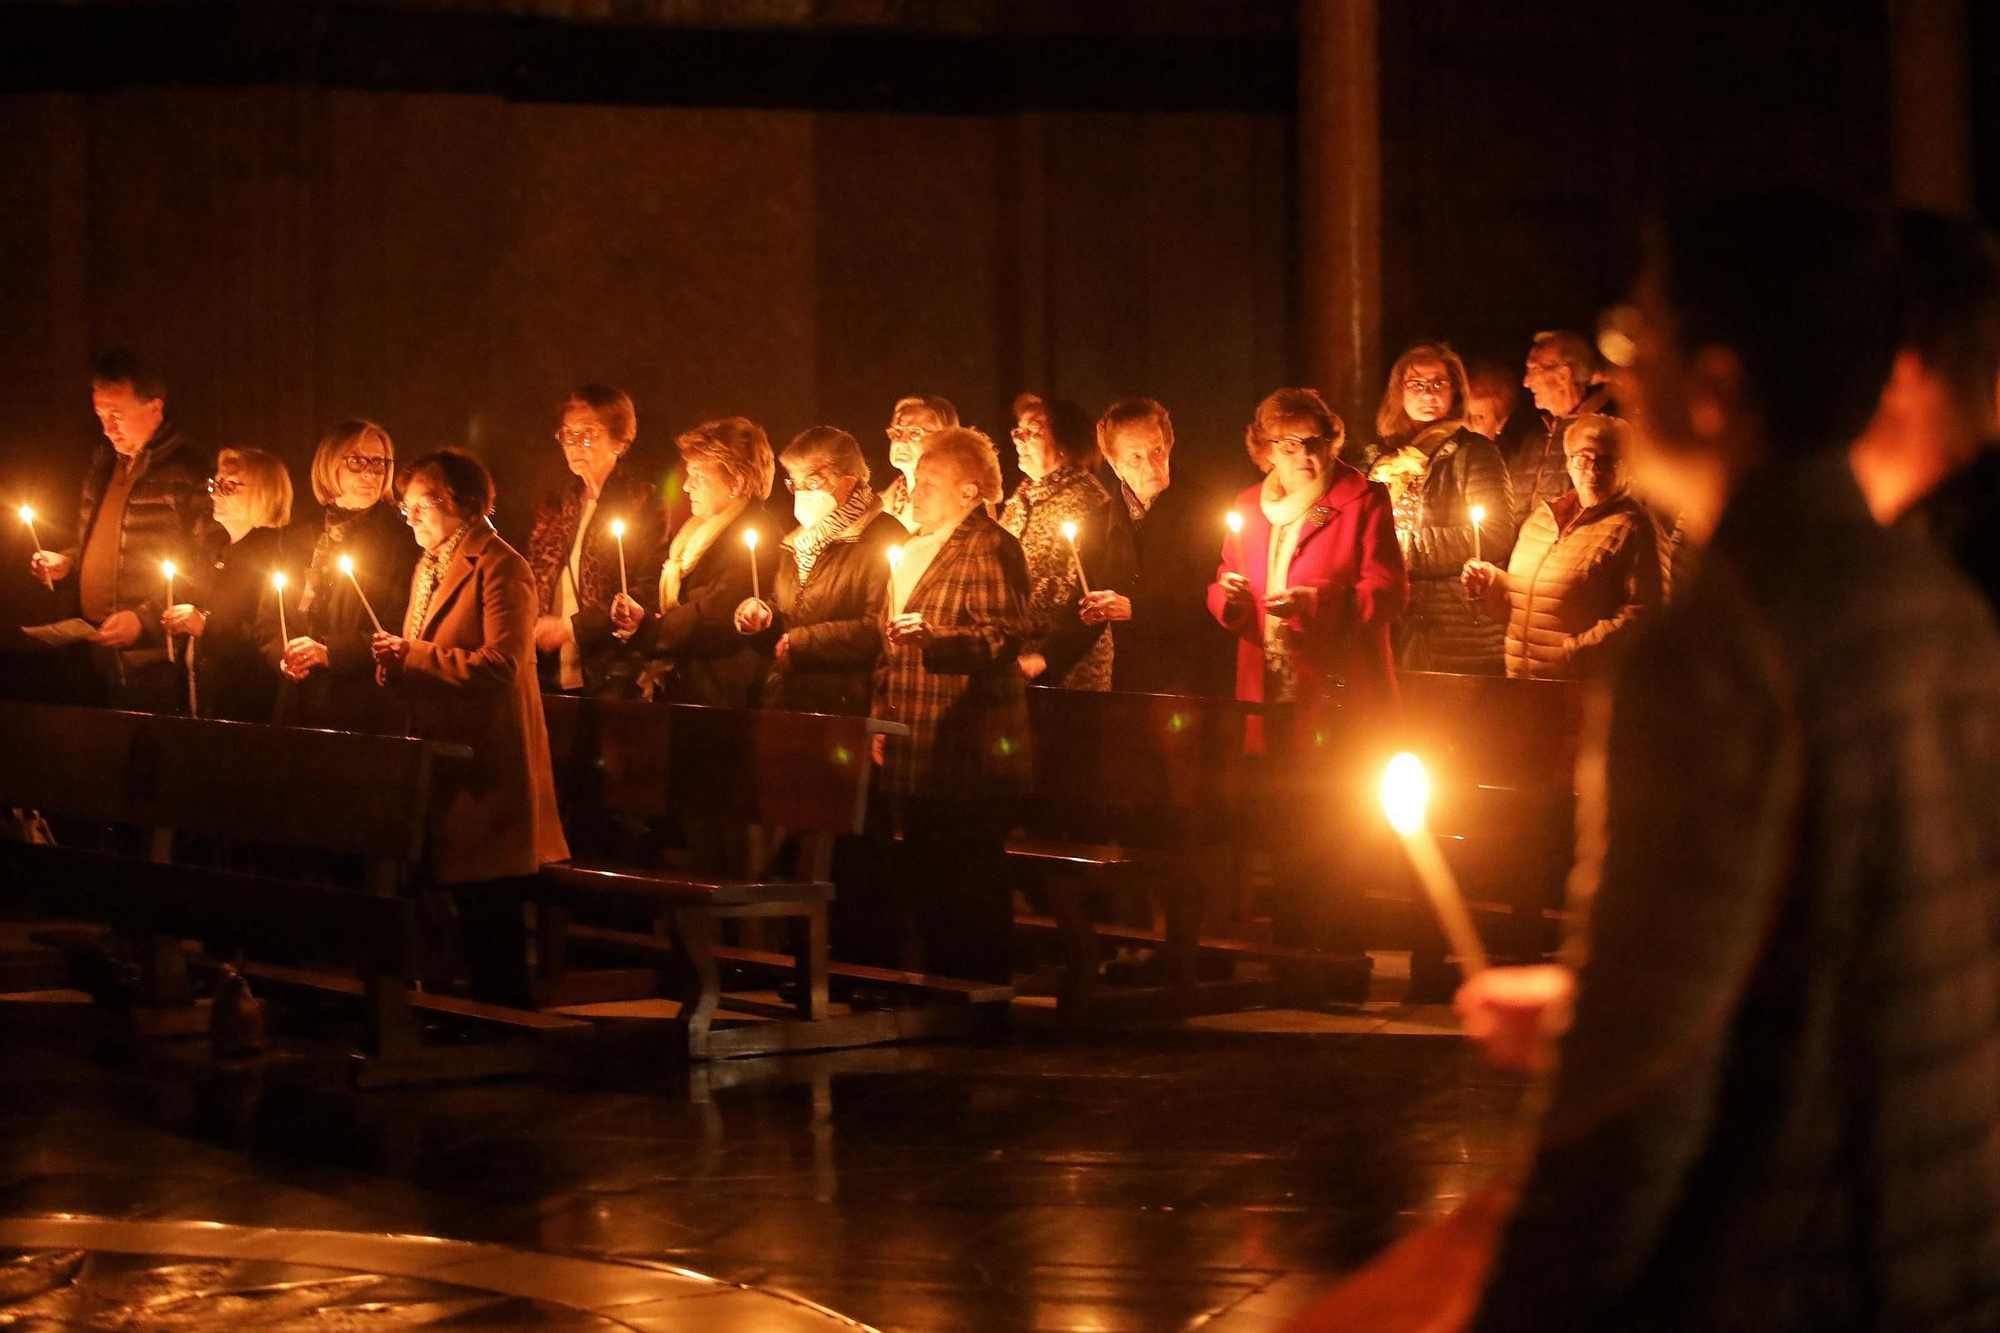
[470, 678]
[1579, 578]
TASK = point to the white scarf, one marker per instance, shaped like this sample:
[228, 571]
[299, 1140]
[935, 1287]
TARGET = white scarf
[1286, 512]
[688, 547]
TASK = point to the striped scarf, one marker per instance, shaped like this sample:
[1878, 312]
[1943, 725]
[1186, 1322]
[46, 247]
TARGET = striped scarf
[807, 543]
[430, 573]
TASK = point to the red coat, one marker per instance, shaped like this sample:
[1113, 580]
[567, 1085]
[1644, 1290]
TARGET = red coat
[1348, 551]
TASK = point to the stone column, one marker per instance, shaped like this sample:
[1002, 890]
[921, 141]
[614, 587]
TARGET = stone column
[1340, 201]
[1930, 107]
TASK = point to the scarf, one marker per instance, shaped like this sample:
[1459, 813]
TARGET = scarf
[320, 569]
[807, 543]
[430, 573]
[688, 547]
[1286, 511]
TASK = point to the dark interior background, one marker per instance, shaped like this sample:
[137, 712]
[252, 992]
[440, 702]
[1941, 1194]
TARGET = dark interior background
[443, 215]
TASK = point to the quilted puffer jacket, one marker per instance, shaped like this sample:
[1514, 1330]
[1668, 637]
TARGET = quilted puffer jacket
[1578, 579]
[1445, 631]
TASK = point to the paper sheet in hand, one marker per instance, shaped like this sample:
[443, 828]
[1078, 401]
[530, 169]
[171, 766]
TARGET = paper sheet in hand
[60, 632]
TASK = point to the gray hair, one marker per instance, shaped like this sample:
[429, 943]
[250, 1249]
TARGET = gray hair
[827, 445]
[972, 454]
[1572, 349]
[1609, 434]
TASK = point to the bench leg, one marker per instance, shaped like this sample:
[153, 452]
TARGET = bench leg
[393, 1029]
[810, 951]
[551, 947]
[703, 989]
[1081, 950]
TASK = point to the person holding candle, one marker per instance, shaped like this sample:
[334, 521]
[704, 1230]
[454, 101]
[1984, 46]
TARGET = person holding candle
[821, 621]
[696, 653]
[912, 418]
[328, 666]
[143, 503]
[464, 662]
[1587, 569]
[1439, 471]
[576, 556]
[1055, 443]
[235, 647]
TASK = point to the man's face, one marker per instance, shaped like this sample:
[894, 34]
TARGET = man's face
[429, 513]
[129, 421]
[939, 497]
[1552, 381]
[1139, 456]
[1597, 473]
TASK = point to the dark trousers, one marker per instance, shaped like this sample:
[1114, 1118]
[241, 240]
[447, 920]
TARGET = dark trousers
[493, 942]
[950, 876]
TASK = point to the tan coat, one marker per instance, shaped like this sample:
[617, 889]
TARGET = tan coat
[470, 678]
[1578, 578]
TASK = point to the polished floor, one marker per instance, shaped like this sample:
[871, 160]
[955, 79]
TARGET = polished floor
[1210, 1176]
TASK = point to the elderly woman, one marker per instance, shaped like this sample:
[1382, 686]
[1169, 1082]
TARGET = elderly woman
[1065, 522]
[465, 663]
[233, 627]
[1439, 472]
[698, 657]
[1314, 580]
[910, 420]
[822, 620]
[1589, 565]
[577, 559]
[329, 671]
[956, 618]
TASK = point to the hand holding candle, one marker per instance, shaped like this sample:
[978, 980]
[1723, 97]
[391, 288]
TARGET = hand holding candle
[750, 540]
[1478, 517]
[1406, 792]
[167, 568]
[1069, 531]
[618, 531]
[28, 517]
[346, 563]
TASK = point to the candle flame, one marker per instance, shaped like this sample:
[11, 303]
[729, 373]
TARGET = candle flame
[1406, 791]
[1069, 531]
[750, 538]
[167, 568]
[347, 565]
[27, 514]
[1478, 515]
[278, 581]
[895, 554]
[1234, 520]
[618, 528]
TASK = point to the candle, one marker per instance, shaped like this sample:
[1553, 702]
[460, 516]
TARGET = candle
[1235, 522]
[1069, 531]
[346, 563]
[618, 531]
[278, 582]
[750, 540]
[1478, 517]
[28, 517]
[167, 568]
[895, 558]
[1406, 791]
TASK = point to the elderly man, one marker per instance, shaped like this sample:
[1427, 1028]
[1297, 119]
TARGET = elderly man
[1560, 369]
[1585, 569]
[144, 503]
[1164, 642]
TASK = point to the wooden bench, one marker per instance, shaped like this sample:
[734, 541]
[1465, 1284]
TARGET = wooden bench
[1136, 799]
[745, 789]
[239, 787]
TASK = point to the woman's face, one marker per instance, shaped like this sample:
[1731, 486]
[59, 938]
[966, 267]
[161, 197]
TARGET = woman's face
[231, 497]
[906, 436]
[427, 509]
[1034, 445]
[363, 474]
[588, 447]
[1298, 451]
[708, 490]
[1426, 391]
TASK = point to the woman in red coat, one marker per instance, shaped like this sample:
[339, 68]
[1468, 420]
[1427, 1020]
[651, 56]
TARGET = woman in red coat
[1312, 583]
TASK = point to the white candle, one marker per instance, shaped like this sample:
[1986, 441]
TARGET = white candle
[1069, 531]
[167, 568]
[750, 540]
[346, 563]
[1235, 522]
[28, 517]
[1406, 792]
[618, 531]
[278, 582]
[1478, 517]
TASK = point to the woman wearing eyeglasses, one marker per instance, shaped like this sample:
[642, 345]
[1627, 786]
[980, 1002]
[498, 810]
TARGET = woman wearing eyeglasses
[821, 622]
[232, 626]
[328, 668]
[1438, 472]
[912, 418]
[574, 552]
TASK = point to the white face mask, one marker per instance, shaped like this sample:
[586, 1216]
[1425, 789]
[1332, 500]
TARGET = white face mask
[811, 507]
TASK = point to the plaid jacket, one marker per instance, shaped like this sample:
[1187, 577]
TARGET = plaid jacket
[609, 666]
[961, 694]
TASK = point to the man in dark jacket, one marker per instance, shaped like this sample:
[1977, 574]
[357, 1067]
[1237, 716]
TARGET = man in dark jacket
[1165, 640]
[144, 503]
[1774, 1109]
[1559, 372]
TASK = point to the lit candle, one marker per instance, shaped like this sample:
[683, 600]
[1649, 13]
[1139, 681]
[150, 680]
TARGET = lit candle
[278, 582]
[1069, 531]
[750, 540]
[1478, 517]
[618, 531]
[28, 517]
[895, 558]
[167, 568]
[346, 563]
[1235, 522]
[1406, 791]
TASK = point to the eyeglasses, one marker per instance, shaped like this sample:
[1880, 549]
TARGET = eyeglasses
[906, 434]
[589, 437]
[1594, 461]
[224, 485]
[817, 481]
[1426, 386]
[1291, 446]
[365, 463]
[428, 505]
[1027, 430]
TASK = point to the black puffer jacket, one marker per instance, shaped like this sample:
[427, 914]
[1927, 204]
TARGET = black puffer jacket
[1444, 631]
[167, 517]
[832, 625]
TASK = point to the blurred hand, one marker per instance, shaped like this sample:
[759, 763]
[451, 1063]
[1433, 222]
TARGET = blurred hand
[182, 618]
[1289, 602]
[909, 628]
[121, 629]
[1033, 665]
[1478, 576]
[49, 566]
[752, 616]
[1515, 1014]
[302, 655]
[1237, 589]
[626, 614]
[784, 650]
[878, 748]
[552, 632]
[389, 650]
[1104, 605]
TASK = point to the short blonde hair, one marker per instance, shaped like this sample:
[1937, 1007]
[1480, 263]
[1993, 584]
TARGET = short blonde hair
[1609, 434]
[941, 408]
[267, 485]
[972, 453]
[739, 447]
[337, 444]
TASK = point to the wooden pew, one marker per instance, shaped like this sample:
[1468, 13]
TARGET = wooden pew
[1138, 798]
[736, 783]
[247, 786]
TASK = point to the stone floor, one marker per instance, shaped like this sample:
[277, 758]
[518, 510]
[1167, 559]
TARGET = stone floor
[1211, 1176]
